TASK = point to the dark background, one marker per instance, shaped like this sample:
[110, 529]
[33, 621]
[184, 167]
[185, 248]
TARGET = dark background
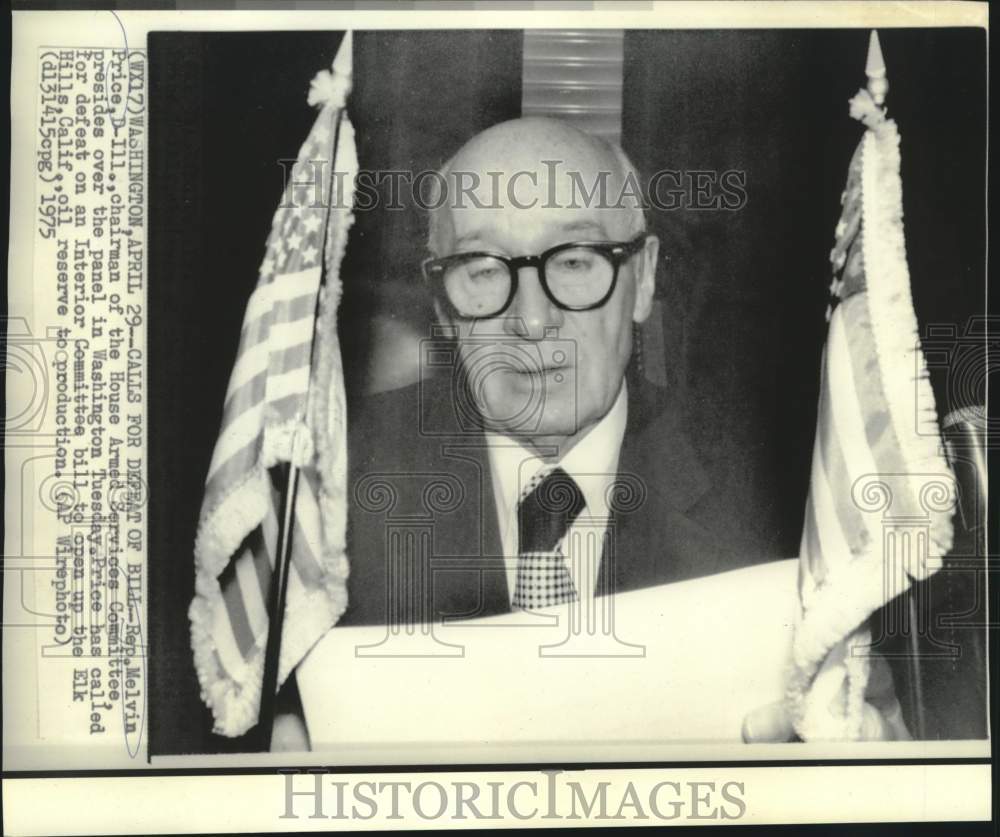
[742, 293]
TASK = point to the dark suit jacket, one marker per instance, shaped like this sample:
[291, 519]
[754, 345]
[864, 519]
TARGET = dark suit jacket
[423, 537]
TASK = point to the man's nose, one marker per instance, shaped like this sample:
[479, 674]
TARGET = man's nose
[532, 312]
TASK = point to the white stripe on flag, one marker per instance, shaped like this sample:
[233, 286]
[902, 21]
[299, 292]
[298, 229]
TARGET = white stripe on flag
[235, 436]
[307, 513]
[253, 361]
[833, 545]
[845, 411]
[297, 588]
[259, 303]
[284, 336]
[295, 382]
[283, 286]
[249, 364]
[814, 475]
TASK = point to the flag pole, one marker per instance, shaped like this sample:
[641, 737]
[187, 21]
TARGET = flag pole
[276, 608]
[878, 87]
[279, 581]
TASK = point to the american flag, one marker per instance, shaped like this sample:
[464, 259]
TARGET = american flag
[271, 416]
[877, 441]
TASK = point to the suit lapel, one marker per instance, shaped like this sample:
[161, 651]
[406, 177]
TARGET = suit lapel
[469, 575]
[652, 540]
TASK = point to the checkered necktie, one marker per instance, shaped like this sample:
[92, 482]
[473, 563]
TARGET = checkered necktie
[547, 509]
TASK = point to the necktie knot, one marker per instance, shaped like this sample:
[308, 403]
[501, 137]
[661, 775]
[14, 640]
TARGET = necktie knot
[547, 511]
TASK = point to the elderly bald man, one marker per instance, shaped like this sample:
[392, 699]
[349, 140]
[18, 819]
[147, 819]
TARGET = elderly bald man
[466, 488]
[541, 267]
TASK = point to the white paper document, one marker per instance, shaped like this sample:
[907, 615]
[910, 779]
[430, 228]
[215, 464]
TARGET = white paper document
[659, 676]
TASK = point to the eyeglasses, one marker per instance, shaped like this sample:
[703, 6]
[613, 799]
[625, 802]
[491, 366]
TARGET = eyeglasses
[576, 276]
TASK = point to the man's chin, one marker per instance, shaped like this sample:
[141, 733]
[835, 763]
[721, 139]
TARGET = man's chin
[543, 424]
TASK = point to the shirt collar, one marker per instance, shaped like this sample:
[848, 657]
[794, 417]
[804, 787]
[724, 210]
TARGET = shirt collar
[592, 462]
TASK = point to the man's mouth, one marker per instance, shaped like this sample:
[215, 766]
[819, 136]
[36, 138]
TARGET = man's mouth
[541, 371]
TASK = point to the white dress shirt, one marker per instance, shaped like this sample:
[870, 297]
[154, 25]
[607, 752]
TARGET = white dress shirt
[592, 463]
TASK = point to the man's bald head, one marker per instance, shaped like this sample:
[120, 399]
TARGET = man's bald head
[536, 163]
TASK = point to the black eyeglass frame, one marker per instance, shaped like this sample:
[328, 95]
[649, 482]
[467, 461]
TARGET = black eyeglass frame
[617, 252]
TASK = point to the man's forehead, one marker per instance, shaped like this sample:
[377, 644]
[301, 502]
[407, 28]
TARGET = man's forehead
[473, 225]
[531, 165]
[534, 181]
[558, 195]
[532, 228]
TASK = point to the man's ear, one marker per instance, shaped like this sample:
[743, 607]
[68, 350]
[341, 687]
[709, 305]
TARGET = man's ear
[645, 279]
[446, 321]
[441, 315]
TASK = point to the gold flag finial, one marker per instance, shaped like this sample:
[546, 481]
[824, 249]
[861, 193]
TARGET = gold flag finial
[878, 84]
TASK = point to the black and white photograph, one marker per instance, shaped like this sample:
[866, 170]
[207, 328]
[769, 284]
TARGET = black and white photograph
[528, 395]
[566, 277]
